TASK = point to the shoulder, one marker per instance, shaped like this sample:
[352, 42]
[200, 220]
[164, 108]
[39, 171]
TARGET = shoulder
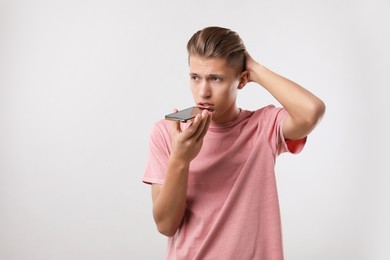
[161, 130]
[267, 114]
[162, 125]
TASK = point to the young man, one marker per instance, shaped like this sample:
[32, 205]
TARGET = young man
[213, 182]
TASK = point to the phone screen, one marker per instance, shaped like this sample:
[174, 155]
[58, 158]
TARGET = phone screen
[184, 115]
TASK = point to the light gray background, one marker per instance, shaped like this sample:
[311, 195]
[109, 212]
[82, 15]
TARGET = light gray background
[82, 82]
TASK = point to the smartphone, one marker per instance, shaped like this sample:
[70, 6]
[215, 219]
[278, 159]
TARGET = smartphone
[185, 115]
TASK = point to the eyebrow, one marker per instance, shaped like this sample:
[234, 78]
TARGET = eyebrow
[215, 75]
[210, 75]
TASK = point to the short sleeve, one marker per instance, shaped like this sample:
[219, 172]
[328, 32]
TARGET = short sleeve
[158, 154]
[291, 146]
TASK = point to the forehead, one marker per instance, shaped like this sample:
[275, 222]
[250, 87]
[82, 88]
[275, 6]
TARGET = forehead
[199, 65]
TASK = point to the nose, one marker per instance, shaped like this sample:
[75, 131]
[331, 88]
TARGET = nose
[205, 90]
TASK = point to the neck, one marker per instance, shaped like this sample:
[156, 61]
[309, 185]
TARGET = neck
[226, 116]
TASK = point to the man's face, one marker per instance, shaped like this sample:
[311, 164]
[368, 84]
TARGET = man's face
[214, 86]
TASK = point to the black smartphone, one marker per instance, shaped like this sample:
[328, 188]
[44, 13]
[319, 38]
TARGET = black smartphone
[185, 115]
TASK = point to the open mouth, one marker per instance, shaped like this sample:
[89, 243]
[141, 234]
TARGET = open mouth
[206, 106]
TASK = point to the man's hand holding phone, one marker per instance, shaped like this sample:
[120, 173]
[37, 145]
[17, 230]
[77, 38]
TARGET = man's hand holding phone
[186, 144]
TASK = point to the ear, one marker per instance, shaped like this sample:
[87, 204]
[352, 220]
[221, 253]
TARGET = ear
[244, 78]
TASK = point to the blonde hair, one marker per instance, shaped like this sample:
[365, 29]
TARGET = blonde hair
[218, 42]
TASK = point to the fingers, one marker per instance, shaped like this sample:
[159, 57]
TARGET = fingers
[202, 125]
[206, 126]
[197, 128]
[175, 124]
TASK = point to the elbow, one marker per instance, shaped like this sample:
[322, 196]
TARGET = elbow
[167, 222]
[302, 123]
[166, 225]
[319, 110]
[166, 229]
[315, 113]
[312, 118]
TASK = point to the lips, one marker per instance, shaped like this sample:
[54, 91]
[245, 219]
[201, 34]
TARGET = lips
[209, 107]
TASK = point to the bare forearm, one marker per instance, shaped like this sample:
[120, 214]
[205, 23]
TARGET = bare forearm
[170, 202]
[169, 199]
[299, 102]
[305, 109]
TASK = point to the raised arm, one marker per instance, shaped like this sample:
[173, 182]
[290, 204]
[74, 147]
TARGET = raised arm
[169, 199]
[305, 109]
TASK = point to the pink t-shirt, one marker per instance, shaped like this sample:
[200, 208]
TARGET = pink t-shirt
[232, 202]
